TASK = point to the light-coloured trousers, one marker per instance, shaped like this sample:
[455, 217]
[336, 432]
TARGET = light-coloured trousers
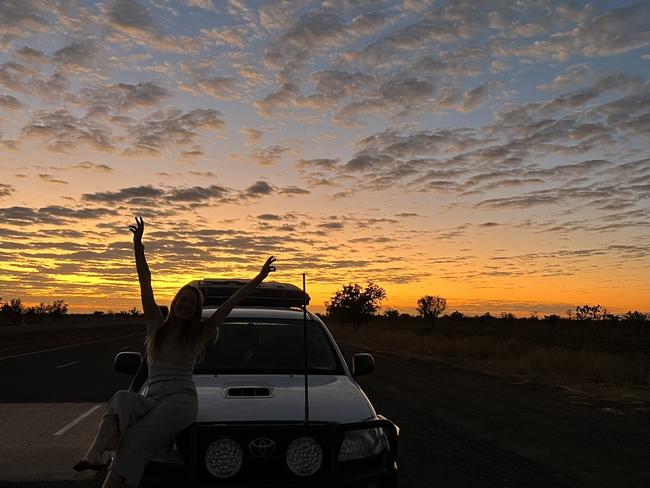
[148, 423]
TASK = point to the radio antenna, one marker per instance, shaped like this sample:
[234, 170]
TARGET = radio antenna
[304, 329]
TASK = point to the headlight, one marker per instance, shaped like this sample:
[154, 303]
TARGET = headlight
[223, 458]
[304, 456]
[359, 444]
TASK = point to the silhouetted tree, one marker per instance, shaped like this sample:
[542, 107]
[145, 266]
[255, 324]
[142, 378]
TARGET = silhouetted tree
[456, 315]
[635, 317]
[553, 318]
[391, 314]
[429, 307]
[508, 316]
[36, 314]
[486, 317]
[13, 309]
[57, 309]
[354, 304]
[590, 312]
[612, 318]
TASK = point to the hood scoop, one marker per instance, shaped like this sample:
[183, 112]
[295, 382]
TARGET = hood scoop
[248, 392]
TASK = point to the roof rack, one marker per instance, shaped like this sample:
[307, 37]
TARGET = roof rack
[268, 294]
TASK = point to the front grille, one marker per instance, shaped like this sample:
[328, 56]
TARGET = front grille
[266, 469]
[272, 470]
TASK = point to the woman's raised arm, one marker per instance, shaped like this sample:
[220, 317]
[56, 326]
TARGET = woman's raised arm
[149, 306]
[211, 325]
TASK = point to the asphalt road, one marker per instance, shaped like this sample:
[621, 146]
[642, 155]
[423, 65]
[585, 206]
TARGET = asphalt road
[458, 428]
[77, 368]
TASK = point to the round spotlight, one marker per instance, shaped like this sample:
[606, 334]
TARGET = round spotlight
[223, 458]
[304, 456]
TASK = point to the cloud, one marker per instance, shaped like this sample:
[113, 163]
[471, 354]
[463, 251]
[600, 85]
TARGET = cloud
[332, 225]
[173, 128]
[203, 4]
[270, 155]
[409, 93]
[175, 199]
[51, 215]
[614, 32]
[27, 79]
[573, 75]
[33, 56]
[461, 63]
[421, 143]
[90, 166]
[282, 98]
[61, 131]
[204, 174]
[219, 87]
[475, 97]
[293, 190]
[198, 194]
[130, 17]
[368, 161]
[252, 135]
[6, 190]
[260, 188]
[21, 17]
[268, 217]
[78, 56]
[236, 36]
[132, 22]
[10, 103]
[123, 96]
[335, 86]
[316, 31]
[51, 179]
[124, 195]
[319, 164]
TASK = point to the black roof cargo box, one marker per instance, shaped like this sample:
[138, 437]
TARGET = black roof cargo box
[268, 294]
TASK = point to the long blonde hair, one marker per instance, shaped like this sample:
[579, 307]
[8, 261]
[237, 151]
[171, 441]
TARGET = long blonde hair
[190, 335]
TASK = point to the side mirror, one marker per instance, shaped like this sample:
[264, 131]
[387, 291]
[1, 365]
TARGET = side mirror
[362, 363]
[127, 362]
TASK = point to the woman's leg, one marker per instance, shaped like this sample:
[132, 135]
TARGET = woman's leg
[152, 432]
[106, 433]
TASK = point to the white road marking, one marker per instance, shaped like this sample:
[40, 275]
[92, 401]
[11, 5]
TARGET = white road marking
[77, 420]
[68, 364]
[65, 347]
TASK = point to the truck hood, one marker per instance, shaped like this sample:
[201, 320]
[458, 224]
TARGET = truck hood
[332, 398]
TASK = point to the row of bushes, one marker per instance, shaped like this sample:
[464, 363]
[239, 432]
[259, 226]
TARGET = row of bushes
[14, 312]
[394, 316]
[353, 304]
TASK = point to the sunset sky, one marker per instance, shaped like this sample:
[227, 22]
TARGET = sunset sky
[494, 153]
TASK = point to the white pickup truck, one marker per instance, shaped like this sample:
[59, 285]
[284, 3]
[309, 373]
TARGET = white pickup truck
[262, 421]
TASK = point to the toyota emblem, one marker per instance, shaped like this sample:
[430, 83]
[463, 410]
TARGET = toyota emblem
[261, 447]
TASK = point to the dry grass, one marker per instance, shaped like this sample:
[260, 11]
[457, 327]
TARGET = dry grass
[512, 356]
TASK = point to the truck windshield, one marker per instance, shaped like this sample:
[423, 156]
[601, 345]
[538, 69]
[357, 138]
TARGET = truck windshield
[260, 346]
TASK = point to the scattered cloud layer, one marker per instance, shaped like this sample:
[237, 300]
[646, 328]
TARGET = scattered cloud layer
[453, 144]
